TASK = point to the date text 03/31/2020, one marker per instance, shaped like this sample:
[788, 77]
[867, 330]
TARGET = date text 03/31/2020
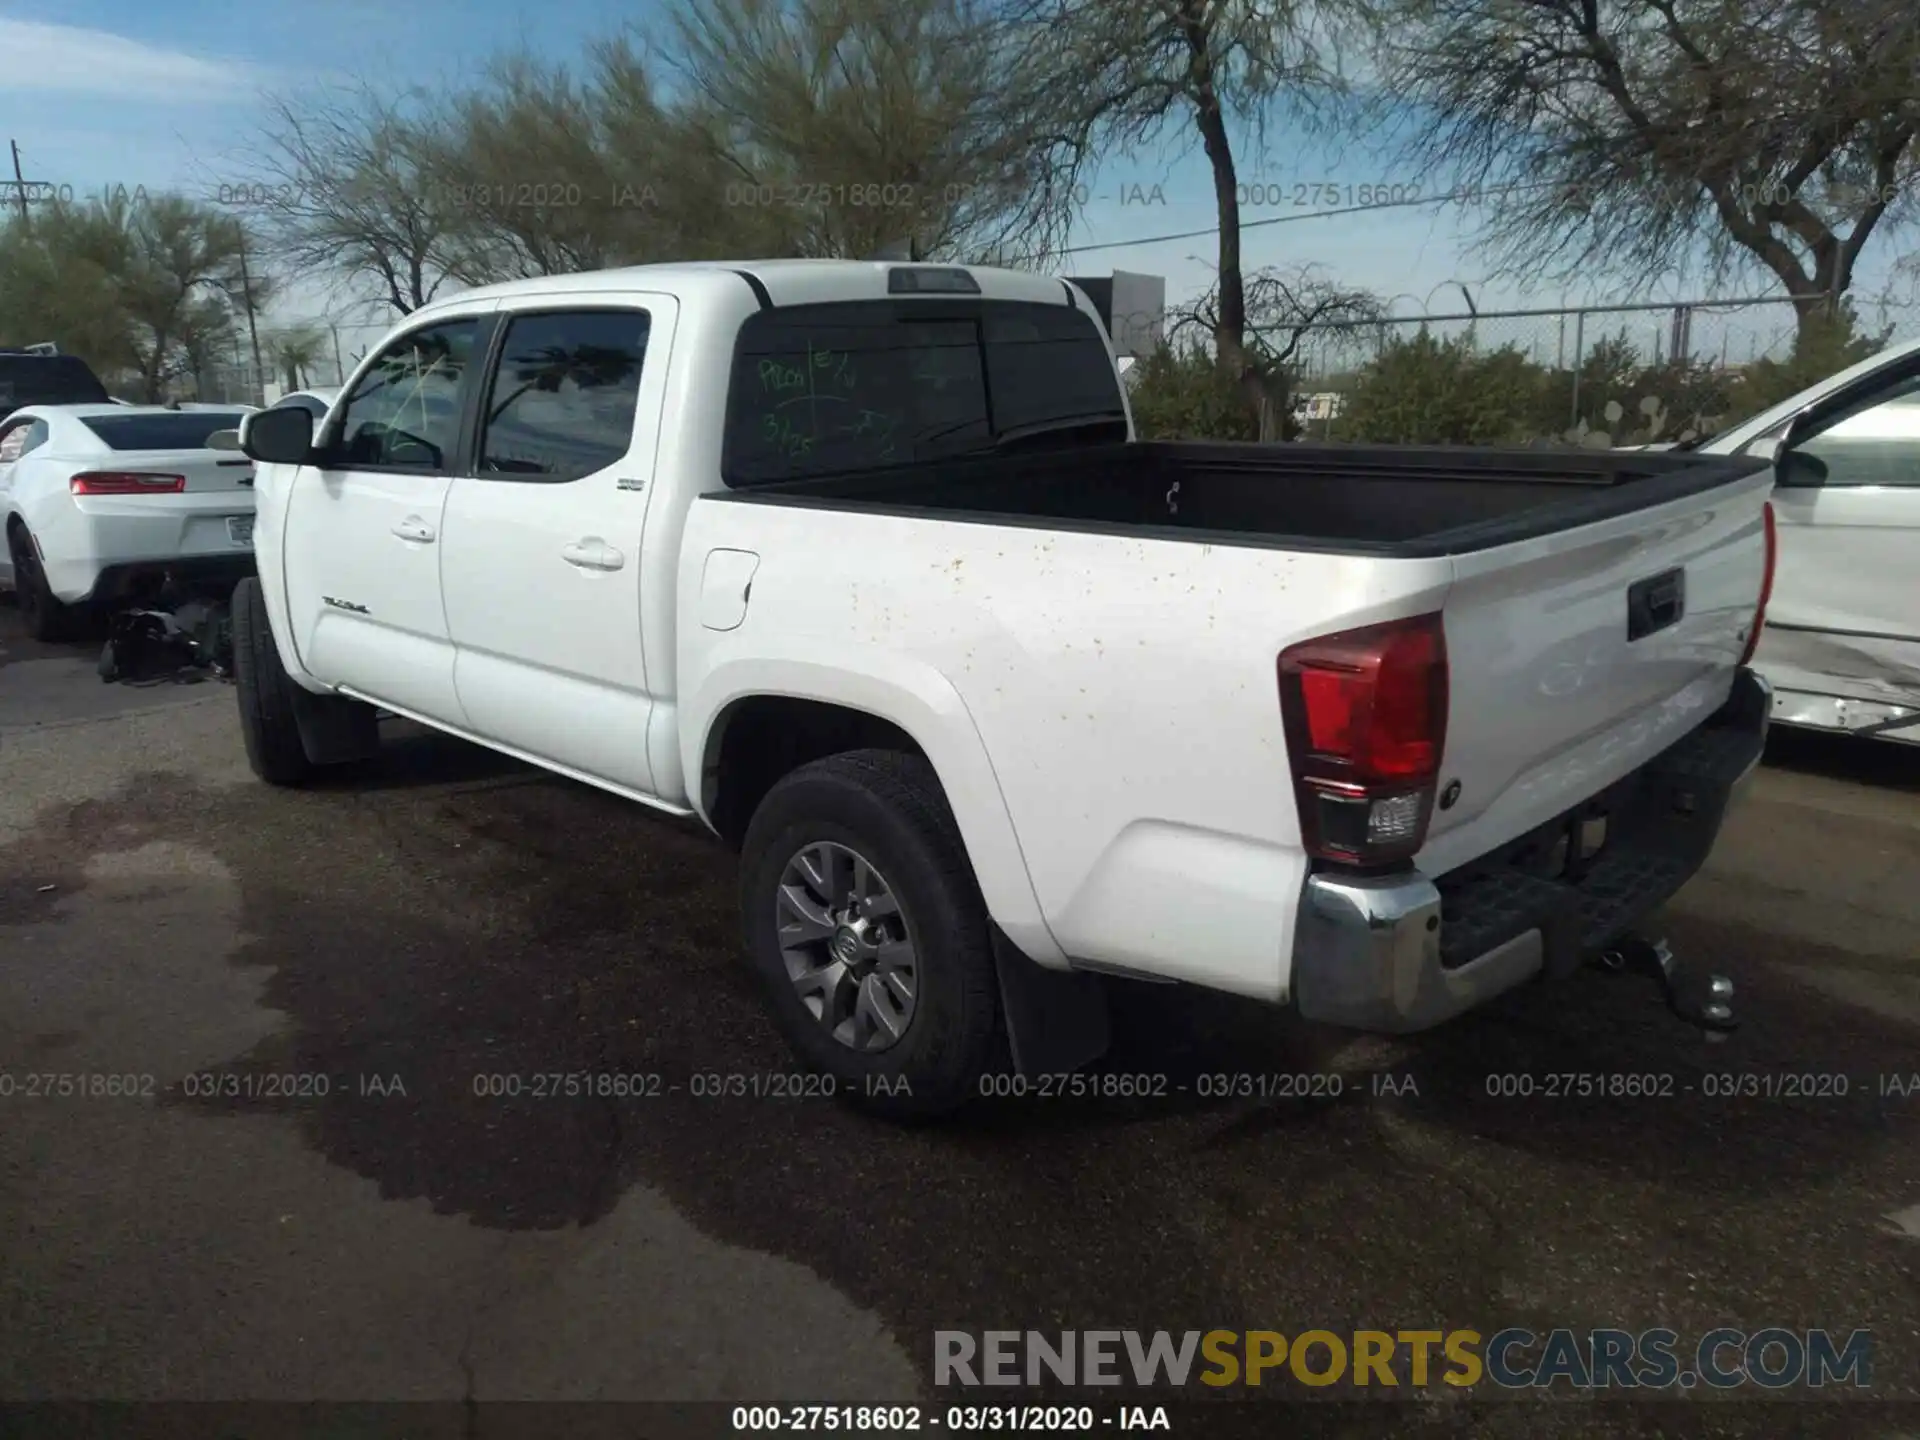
[960, 1419]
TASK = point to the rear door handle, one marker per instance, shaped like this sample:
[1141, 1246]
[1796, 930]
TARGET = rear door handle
[593, 553]
[414, 528]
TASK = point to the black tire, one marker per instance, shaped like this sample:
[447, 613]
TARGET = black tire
[888, 807]
[266, 693]
[48, 618]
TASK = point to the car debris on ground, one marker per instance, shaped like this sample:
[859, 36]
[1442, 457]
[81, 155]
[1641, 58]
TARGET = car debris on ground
[181, 639]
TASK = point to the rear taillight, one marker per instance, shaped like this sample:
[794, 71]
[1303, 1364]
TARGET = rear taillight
[1766, 587]
[1366, 719]
[126, 482]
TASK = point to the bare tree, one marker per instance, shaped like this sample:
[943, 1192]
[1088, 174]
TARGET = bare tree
[343, 185]
[1132, 72]
[1284, 306]
[863, 123]
[1641, 136]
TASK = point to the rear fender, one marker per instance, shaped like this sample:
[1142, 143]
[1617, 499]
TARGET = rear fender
[922, 702]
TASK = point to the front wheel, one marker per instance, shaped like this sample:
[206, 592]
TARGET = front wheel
[866, 927]
[265, 691]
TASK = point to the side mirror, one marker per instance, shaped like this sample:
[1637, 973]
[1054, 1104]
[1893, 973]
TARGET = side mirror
[277, 437]
[1796, 469]
[1771, 445]
[224, 440]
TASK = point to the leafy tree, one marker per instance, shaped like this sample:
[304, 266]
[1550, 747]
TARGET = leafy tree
[548, 172]
[177, 250]
[206, 332]
[60, 281]
[1829, 345]
[1422, 390]
[1179, 392]
[297, 354]
[872, 122]
[142, 289]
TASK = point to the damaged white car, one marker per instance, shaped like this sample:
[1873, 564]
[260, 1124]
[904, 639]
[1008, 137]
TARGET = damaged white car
[1842, 643]
[103, 505]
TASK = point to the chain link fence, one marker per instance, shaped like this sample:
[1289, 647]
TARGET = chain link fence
[1597, 371]
[236, 380]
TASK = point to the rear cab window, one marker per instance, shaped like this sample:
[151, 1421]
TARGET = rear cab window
[820, 389]
[183, 430]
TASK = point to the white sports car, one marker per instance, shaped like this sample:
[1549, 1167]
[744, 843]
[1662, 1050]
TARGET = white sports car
[101, 503]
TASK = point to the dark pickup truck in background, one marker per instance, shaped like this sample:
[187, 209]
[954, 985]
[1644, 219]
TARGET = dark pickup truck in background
[35, 377]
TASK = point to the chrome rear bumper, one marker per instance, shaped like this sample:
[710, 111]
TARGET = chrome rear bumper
[1376, 953]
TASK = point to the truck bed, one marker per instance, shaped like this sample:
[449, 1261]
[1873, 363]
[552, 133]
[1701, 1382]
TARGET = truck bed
[1399, 501]
[1108, 620]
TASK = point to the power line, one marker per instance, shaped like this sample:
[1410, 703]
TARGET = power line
[1474, 193]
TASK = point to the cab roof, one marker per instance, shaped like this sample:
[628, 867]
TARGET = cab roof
[784, 282]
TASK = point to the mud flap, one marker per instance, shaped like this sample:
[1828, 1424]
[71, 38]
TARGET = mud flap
[334, 729]
[1056, 1019]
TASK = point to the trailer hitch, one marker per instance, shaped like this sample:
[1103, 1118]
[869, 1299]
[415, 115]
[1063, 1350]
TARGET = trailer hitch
[1699, 998]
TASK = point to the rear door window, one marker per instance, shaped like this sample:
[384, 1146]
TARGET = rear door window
[818, 389]
[563, 398]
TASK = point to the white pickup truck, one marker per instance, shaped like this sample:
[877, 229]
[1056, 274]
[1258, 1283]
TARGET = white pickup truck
[861, 564]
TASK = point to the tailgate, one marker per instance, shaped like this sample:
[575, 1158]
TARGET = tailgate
[1576, 657]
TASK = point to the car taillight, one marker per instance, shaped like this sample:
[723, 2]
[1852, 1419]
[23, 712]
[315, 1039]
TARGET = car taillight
[1365, 713]
[1766, 587]
[126, 482]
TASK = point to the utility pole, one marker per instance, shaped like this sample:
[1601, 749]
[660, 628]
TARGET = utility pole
[19, 184]
[339, 370]
[246, 294]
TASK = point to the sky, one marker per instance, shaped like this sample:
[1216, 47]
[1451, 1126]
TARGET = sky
[125, 94]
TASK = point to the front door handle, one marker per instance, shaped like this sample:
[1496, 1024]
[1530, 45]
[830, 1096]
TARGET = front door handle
[414, 528]
[593, 553]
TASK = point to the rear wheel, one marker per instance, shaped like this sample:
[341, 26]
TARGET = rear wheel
[868, 932]
[47, 617]
[266, 693]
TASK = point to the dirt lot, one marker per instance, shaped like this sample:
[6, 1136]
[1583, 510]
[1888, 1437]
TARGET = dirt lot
[397, 936]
